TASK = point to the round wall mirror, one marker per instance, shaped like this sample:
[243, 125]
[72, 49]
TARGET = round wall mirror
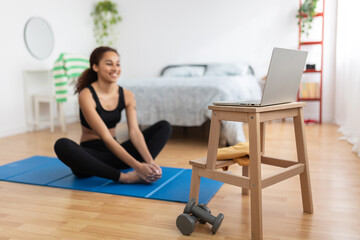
[39, 38]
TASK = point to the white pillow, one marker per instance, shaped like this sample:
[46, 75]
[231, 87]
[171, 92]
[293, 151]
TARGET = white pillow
[184, 71]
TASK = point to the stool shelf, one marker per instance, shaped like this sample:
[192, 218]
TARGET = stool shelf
[201, 163]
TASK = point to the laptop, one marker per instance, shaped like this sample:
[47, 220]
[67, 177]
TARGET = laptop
[283, 79]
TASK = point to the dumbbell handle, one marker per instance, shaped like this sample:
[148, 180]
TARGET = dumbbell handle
[202, 214]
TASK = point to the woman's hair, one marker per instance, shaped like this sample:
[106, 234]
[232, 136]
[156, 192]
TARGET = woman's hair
[89, 75]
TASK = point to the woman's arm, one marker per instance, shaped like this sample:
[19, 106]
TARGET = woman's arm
[135, 134]
[88, 107]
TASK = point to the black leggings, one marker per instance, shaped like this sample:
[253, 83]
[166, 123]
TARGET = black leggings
[93, 158]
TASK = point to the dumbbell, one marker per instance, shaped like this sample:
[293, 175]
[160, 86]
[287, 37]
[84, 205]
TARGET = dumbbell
[203, 206]
[204, 215]
[186, 223]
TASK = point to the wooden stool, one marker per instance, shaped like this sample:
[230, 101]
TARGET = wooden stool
[255, 117]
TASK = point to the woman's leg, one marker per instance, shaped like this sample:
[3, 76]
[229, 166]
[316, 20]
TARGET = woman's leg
[84, 162]
[156, 136]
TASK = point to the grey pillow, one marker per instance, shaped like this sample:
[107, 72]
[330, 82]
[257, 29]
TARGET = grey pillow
[227, 69]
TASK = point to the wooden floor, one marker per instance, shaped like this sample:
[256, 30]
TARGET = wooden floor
[33, 212]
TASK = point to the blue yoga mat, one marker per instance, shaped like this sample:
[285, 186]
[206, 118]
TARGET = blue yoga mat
[47, 171]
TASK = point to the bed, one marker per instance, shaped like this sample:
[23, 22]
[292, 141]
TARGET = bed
[182, 94]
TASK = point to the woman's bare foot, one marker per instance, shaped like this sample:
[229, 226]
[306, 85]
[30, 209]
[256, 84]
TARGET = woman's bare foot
[130, 177]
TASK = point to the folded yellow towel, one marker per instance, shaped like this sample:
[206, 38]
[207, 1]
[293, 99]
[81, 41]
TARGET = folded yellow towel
[239, 153]
[243, 161]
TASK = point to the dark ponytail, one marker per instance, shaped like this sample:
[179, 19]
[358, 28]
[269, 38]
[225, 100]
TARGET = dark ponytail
[89, 75]
[86, 78]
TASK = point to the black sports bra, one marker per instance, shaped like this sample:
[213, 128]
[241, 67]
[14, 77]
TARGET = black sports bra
[110, 118]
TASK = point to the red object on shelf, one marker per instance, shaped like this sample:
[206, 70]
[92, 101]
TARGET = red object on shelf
[320, 71]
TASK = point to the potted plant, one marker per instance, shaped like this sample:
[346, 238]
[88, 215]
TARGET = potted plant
[105, 16]
[306, 15]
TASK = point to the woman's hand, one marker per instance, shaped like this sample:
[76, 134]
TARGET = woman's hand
[149, 172]
[158, 168]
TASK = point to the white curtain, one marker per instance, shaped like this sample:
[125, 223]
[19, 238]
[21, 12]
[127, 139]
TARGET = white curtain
[347, 83]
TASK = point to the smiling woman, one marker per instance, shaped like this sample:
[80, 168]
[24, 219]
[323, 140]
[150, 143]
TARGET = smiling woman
[101, 102]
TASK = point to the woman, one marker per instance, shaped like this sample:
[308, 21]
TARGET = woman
[101, 101]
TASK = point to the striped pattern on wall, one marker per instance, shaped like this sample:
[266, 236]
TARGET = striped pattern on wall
[67, 68]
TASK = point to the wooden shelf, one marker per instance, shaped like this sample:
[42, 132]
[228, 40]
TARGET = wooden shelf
[312, 71]
[311, 43]
[320, 14]
[309, 99]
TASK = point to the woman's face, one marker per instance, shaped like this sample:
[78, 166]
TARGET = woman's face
[109, 67]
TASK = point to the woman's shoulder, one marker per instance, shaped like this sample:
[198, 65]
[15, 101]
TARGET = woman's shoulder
[85, 95]
[129, 96]
[127, 92]
[85, 92]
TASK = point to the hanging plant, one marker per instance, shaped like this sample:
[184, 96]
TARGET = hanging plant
[105, 17]
[306, 15]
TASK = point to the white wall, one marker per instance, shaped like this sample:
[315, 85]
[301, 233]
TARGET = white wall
[154, 34]
[161, 32]
[71, 24]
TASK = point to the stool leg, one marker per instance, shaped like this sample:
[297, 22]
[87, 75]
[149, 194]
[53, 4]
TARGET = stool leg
[37, 114]
[211, 155]
[255, 176]
[245, 173]
[62, 116]
[303, 158]
[195, 184]
[213, 143]
[262, 134]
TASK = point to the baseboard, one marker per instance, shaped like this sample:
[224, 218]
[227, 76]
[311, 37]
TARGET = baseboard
[24, 129]
[71, 119]
[13, 131]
